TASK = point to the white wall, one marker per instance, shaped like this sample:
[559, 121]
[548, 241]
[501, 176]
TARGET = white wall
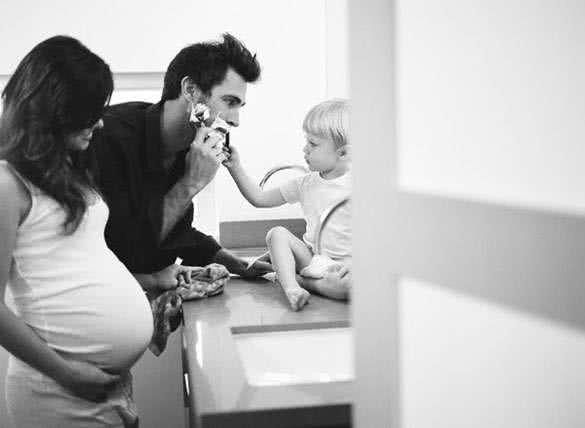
[488, 101]
[467, 362]
[307, 66]
[490, 107]
[504, 122]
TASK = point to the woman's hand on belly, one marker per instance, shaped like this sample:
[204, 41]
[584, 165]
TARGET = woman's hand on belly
[86, 380]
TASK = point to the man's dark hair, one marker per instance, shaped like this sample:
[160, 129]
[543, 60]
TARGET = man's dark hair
[207, 63]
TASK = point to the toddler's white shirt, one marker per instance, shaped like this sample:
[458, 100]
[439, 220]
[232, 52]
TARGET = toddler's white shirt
[316, 195]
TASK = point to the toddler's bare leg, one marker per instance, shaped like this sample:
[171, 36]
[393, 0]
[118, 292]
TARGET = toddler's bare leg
[333, 285]
[288, 253]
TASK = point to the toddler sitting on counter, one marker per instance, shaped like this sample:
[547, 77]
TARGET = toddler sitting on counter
[327, 155]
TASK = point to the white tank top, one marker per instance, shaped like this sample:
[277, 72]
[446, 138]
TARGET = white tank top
[72, 290]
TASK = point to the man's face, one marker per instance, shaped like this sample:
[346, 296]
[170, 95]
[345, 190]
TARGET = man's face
[227, 98]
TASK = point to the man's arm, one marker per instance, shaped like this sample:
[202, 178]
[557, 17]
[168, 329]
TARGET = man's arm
[175, 204]
[165, 279]
[140, 204]
[201, 164]
[239, 266]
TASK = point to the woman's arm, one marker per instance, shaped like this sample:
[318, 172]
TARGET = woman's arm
[17, 337]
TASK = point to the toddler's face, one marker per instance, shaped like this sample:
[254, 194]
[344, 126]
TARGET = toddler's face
[320, 154]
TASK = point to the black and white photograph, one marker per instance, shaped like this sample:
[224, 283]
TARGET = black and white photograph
[292, 214]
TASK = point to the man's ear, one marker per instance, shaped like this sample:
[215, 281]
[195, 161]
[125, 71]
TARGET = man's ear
[189, 90]
[344, 152]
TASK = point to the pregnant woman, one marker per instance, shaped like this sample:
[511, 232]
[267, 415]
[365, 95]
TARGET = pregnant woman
[78, 319]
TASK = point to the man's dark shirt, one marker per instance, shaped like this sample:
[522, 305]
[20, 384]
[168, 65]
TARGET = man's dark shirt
[131, 176]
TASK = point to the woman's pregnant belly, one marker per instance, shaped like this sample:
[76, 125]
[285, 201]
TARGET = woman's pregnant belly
[96, 313]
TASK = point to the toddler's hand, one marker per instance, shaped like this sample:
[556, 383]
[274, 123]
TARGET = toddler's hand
[232, 157]
[338, 270]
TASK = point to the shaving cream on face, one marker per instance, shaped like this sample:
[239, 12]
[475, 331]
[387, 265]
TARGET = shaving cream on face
[223, 128]
[220, 125]
[200, 113]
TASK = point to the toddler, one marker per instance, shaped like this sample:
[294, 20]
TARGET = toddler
[327, 155]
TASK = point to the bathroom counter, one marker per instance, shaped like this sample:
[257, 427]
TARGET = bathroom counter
[217, 391]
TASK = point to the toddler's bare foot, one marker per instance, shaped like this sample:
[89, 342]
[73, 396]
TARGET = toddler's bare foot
[298, 297]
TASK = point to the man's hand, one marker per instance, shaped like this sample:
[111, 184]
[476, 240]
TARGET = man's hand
[239, 266]
[172, 276]
[258, 266]
[203, 158]
[87, 381]
[201, 164]
[168, 278]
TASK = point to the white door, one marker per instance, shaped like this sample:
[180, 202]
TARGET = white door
[469, 212]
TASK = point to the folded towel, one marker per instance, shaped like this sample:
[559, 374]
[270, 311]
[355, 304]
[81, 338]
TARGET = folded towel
[166, 307]
[205, 282]
[166, 312]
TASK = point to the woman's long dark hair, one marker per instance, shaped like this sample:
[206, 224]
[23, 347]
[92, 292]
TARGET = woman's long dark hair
[58, 88]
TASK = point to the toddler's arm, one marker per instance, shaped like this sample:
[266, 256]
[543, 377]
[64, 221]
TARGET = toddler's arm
[248, 188]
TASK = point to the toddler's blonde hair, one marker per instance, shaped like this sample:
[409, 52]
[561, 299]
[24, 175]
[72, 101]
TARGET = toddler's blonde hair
[330, 120]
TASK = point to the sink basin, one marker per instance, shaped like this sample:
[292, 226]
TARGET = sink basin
[296, 356]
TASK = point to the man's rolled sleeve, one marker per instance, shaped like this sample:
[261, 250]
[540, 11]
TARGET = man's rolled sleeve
[194, 247]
